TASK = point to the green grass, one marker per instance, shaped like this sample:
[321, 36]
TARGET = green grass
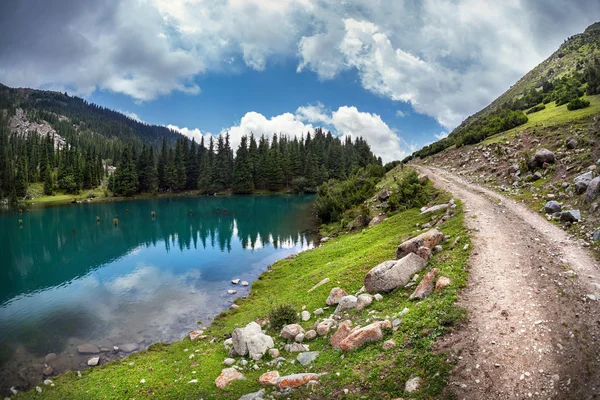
[368, 372]
[550, 116]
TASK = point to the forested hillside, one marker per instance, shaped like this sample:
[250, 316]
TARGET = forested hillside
[86, 147]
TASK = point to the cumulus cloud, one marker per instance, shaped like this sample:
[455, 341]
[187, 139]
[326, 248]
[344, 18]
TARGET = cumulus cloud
[447, 58]
[441, 135]
[401, 114]
[193, 133]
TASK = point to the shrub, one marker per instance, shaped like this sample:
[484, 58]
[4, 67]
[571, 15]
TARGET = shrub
[537, 108]
[282, 315]
[410, 192]
[577, 103]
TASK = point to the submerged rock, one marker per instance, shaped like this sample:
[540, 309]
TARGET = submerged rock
[129, 347]
[88, 348]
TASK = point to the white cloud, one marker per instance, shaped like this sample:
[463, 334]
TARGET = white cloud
[401, 114]
[131, 115]
[316, 114]
[441, 135]
[193, 133]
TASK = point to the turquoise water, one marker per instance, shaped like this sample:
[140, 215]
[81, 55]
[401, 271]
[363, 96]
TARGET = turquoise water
[66, 279]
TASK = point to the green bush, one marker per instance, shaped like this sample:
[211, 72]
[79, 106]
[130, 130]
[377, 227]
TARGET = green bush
[282, 315]
[577, 103]
[537, 108]
[410, 192]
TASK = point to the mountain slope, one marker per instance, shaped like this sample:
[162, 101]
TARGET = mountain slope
[569, 73]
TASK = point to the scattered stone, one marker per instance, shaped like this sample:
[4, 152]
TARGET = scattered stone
[88, 349]
[325, 239]
[244, 283]
[383, 196]
[552, 207]
[228, 344]
[341, 334]
[325, 326]
[593, 189]
[318, 311]
[305, 315]
[389, 344]
[428, 239]
[541, 156]
[310, 335]
[195, 334]
[425, 287]
[129, 347]
[396, 322]
[376, 220]
[92, 362]
[363, 300]
[274, 353]
[378, 297]
[269, 378]
[296, 347]
[299, 338]
[295, 380]
[412, 385]
[38, 389]
[50, 357]
[307, 357]
[571, 143]
[370, 333]
[442, 282]
[346, 303]
[434, 209]
[335, 296]
[193, 381]
[48, 371]
[229, 362]
[570, 216]
[251, 340]
[424, 253]
[437, 249]
[582, 182]
[291, 331]
[596, 236]
[392, 274]
[227, 376]
[231, 291]
[48, 382]
[254, 396]
[235, 281]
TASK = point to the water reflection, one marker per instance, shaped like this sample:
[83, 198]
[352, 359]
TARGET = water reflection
[66, 279]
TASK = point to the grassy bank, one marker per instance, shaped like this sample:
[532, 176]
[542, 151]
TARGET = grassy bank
[369, 372]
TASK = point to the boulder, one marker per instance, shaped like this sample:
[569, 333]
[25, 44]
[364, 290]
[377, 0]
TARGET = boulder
[596, 236]
[383, 196]
[412, 385]
[434, 209]
[369, 333]
[341, 334]
[254, 396]
[310, 335]
[540, 157]
[324, 327]
[291, 331]
[307, 357]
[88, 348]
[335, 296]
[274, 353]
[389, 344]
[552, 207]
[571, 143]
[570, 216]
[299, 338]
[424, 252]
[305, 315]
[269, 378]
[346, 303]
[442, 282]
[392, 274]
[296, 347]
[295, 380]
[593, 189]
[227, 376]
[425, 287]
[363, 300]
[251, 340]
[582, 182]
[376, 220]
[428, 239]
[92, 362]
[50, 357]
[228, 362]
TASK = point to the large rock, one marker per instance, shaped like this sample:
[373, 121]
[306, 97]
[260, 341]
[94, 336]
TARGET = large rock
[364, 300]
[341, 334]
[540, 157]
[428, 239]
[370, 333]
[324, 327]
[254, 396]
[291, 331]
[295, 380]
[88, 349]
[251, 340]
[434, 209]
[570, 216]
[392, 274]
[335, 296]
[307, 357]
[346, 303]
[129, 347]
[552, 207]
[92, 362]
[593, 189]
[425, 287]
[227, 376]
[442, 282]
[269, 378]
[583, 181]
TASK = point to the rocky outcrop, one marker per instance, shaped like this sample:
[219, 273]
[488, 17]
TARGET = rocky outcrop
[428, 239]
[251, 341]
[425, 287]
[227, 376]
[392, 274]
[21, 125]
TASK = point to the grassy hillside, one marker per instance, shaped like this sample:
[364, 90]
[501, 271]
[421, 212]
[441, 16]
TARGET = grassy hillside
[163, 372]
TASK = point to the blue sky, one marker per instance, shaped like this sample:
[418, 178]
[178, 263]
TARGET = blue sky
[287, 66]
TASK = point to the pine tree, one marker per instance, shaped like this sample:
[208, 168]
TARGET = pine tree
[48, 185]
[126, 180]
[242, 171]
[162, 163]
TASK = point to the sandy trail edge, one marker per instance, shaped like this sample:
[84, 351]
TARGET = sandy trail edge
[531, 332]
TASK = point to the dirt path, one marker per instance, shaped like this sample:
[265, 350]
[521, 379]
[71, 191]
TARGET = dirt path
[532, 331]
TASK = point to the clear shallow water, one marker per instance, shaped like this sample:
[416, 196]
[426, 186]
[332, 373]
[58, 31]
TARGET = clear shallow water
[66, 279]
